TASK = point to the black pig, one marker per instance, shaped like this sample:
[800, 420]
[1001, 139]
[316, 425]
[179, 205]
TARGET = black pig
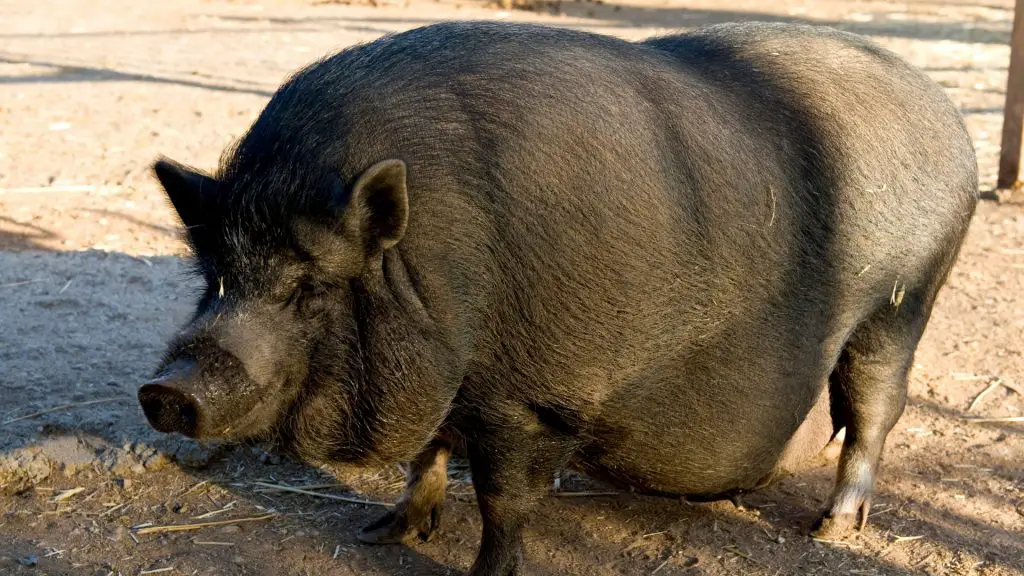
[679, 265]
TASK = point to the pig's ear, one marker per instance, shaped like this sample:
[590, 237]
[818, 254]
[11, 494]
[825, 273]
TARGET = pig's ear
[377, 210]
[185, 188]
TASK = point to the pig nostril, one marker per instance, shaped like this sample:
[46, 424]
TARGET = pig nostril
[169, 410]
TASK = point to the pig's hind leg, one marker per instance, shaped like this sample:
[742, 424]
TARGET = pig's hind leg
[869, 392]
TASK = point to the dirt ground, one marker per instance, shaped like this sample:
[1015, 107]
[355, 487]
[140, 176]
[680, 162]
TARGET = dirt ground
[91, 285]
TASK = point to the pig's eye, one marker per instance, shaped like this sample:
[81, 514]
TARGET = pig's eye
[303, 292]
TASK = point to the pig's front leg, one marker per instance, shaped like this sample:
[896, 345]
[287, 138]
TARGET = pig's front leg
[512, 469]
[417, 514]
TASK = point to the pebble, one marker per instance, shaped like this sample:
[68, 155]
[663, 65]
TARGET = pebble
[157, 461]
[119, 534]
[266, 457]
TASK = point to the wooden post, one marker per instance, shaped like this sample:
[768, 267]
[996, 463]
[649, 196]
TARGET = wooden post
[1013, 112]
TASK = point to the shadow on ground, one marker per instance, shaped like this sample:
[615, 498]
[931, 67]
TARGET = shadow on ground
[62, 348]
[16, 236]
[625, 534]
[65, 72]
[68, 70]
[614, 15]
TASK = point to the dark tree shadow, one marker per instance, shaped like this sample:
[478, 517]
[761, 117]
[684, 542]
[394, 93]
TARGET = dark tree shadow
[182, 31]
[72, 73]
[20, 236]
[607, 15]
[168, 230]
[613, 15]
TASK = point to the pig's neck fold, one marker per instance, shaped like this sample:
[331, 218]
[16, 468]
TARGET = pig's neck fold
[408, 371]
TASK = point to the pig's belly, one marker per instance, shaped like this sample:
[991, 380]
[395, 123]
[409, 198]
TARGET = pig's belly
[701, 448]
[677, 468]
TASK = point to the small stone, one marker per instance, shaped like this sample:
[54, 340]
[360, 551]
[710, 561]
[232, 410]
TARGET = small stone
[109, 461]
[138, 468]
[119, 534]
[266, 457]
[231, 529]
[156, 461]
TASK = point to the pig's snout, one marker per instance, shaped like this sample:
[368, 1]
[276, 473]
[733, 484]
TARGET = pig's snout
[170, 401]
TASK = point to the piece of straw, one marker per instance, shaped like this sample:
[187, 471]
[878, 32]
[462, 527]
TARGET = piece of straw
[199, 525]
[67, 494]
[64, 407]
[996, 382]
[348, 499]
[984, 420]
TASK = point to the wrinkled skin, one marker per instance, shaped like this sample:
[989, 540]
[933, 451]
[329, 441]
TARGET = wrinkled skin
[679, 265]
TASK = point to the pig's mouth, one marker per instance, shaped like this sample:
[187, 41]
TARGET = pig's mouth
[178, 401]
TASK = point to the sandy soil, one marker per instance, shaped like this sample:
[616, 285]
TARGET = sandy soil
[91, 284]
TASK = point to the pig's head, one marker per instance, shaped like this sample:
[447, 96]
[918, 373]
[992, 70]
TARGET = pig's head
[308, 329]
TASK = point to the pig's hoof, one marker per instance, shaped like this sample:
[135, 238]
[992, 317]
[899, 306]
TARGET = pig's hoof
[838, 525]
[835, 527]
[395, 528]
[392, 528]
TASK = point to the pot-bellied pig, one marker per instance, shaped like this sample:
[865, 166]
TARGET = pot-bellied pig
[678, 265]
